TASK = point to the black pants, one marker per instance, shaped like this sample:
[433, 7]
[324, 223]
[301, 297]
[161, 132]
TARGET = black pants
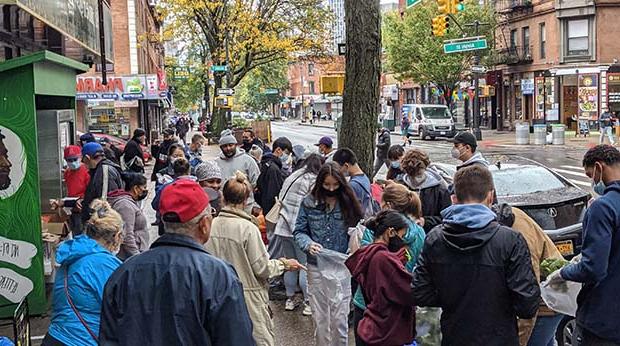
[51, 341]
[585, 338]
[358, 314]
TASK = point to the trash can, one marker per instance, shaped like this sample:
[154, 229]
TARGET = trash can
[540, 134]
[558, 134]
[523, 134]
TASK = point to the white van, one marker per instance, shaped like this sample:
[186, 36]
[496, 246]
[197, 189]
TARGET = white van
[429, 121]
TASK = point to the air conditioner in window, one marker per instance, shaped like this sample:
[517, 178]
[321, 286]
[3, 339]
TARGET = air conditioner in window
[153, 3]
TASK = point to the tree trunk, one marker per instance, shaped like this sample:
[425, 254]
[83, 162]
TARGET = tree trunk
[363, 73]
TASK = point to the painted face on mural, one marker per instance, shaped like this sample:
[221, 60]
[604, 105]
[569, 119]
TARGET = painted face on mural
[5, 165]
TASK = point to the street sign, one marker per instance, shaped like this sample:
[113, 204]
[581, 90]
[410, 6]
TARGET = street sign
[342, 49]
[211, 82]
[478, 69]
[219, 68]
[272, 91]
[465, 45]
[411, 3]
[225, 92]
[181, 73]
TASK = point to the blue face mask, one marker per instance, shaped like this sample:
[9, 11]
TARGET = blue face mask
[284, 157]
[599, 188]
[395, 164]
[73, 165]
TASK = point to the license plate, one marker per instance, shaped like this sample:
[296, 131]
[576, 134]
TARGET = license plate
[565, 247]
[443, 132]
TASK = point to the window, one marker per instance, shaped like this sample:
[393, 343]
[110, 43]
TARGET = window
[513, 41]
[543, 41]
[577, 37]
[526, 41]
[310, 69]
[311, 87]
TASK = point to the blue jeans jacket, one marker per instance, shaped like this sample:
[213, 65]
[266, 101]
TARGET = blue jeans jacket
[316, 224]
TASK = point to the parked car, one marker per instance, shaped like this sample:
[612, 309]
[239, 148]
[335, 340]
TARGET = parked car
[119, 143]
[429, 121]
[554, 202]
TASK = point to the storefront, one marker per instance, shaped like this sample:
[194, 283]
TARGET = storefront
[124, 104]
[613, 92]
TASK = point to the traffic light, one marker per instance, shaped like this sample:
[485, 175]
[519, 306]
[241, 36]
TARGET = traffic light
[440, 25]
[457, 6]
[445, 6]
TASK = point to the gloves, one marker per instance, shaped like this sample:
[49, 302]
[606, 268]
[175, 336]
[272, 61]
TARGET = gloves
[556, 282]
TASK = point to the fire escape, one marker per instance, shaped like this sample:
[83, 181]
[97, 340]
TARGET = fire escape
[508, 51]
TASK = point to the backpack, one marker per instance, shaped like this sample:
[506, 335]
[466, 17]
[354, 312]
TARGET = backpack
[372, 207]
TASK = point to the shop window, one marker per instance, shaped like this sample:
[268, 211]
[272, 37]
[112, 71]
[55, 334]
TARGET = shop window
[543, 40]
[577, 38]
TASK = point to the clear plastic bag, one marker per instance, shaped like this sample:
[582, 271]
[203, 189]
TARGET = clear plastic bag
[355, 237]
[331, 265]
[562, 297]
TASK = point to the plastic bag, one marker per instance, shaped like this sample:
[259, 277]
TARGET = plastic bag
[331, 265]
[561, 298]
[356, 234]
[428, 326]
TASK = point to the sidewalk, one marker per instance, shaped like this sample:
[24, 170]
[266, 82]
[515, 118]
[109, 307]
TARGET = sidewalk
[328, 124]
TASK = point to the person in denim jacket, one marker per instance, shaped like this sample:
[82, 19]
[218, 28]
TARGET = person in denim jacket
[323, 221]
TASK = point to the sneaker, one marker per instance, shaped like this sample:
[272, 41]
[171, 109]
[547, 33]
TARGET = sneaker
[289, 305]
[307, 311]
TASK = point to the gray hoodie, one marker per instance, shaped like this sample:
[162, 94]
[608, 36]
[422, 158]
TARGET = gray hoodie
[477, 159]
[135, 225]
[240, 162]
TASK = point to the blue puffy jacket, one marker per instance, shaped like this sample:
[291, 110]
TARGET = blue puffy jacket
[89, 266]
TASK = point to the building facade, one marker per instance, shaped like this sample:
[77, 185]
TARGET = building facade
[136, 95]
[557, 61]
[337, 25]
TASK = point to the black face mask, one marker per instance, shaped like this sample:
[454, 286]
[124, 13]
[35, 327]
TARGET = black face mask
[329, 193]
[247, 141]
[142, 195]
[396, 243]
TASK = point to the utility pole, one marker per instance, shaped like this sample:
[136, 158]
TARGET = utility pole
[476, 111]
[104, 72]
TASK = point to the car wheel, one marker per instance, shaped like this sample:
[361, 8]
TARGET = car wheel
[432, 138]
[565, 334]
[422, 134]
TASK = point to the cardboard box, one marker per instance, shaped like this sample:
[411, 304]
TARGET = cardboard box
[54, 224]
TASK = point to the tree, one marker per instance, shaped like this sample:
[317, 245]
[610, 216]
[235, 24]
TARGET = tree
[246, 34]
[414, 53]
[252, 92]
[188, 92]
[361, 87]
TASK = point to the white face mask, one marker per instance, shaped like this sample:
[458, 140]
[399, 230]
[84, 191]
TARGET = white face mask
[456, 153]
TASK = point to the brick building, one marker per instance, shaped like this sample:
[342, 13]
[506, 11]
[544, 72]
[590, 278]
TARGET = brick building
[138, 93]
[557, 60]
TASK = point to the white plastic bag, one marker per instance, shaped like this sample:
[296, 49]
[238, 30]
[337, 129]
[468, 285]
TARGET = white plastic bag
[331, 266]
[355, 237]
[561, 298]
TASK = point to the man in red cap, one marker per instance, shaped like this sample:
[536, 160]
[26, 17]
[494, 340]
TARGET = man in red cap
[176, 293]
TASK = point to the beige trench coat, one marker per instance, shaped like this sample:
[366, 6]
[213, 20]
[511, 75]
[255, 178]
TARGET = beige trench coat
[237, 240]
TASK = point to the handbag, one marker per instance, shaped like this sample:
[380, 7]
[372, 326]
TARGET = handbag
[75, 310]
[274, 213]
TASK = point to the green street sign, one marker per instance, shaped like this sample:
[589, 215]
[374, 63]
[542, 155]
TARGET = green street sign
[272, 91]
[411, 3]
[219, 68]
[476, 43]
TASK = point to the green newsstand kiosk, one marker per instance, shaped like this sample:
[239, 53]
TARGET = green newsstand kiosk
[37, 116]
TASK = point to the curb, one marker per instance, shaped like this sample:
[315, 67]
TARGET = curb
[316, 125]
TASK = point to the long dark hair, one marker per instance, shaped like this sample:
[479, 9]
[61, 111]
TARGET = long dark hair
[349, 205]
[313, 163]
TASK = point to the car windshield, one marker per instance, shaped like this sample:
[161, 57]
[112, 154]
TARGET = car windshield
[436, 112]
[524, 180]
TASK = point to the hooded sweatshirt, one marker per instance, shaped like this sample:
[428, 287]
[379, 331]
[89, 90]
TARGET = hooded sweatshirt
[269, 182]
[477, 159]
[239, 162]
[135, 226]
[390, 314]
[89, 266]
[480, 274]
[434, 194]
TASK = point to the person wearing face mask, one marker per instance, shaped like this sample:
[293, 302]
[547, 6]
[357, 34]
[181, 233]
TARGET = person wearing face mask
[395, 156]
[166, 174]
[478, 271]
[180, 171]
[598, 309]
[428, 184]
[384, 281]
[133, 156]
[135, 225]
[105, 176]
[464, 150]
[162, 152]
[398, 198]
[272, 173]
[326, 148]
[86, 262]
[249, 140]
[383, 145]
[76, 179]
[176, 293]
[209, 176]
[322, 223]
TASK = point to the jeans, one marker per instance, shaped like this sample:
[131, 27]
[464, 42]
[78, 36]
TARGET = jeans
[544, 330]
[607, 131]
[291, 279]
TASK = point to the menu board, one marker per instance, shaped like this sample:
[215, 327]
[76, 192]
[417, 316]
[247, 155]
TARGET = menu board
[588, 96]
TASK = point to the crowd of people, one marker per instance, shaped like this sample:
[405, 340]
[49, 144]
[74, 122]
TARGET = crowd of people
[359, 252]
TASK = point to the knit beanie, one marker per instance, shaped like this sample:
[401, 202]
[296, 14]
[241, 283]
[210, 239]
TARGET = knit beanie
[208, 170]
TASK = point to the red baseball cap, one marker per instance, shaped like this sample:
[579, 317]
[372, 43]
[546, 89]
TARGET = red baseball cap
[72, 151]
[182, 201]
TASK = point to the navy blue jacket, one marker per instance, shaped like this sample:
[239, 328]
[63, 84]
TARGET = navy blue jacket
[175, 294]
[599, 269]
